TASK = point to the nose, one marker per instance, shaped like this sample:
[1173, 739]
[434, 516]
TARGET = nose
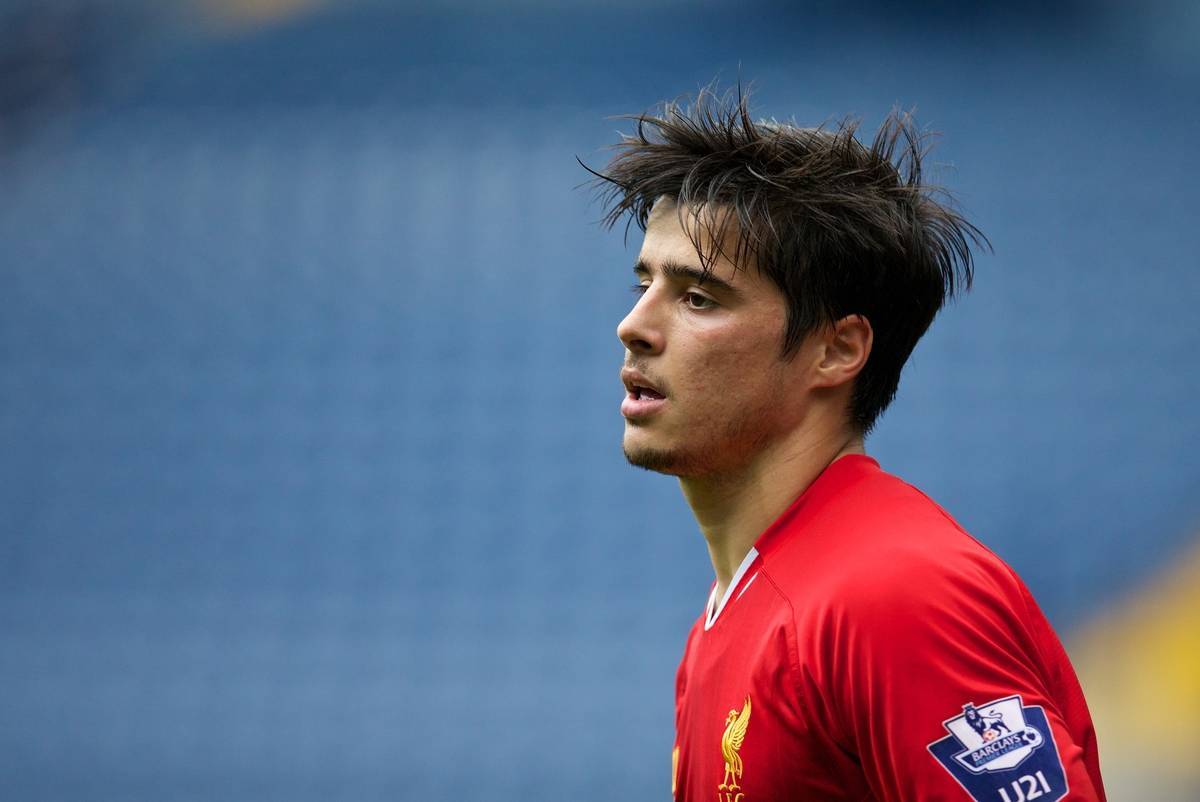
[641, 331]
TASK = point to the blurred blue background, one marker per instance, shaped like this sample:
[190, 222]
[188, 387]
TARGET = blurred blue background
[311, 482]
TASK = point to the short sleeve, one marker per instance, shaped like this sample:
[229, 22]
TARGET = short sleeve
[947, 692]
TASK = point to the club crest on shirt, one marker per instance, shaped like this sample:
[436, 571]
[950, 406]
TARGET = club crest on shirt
[732, 739]
[1002, 751]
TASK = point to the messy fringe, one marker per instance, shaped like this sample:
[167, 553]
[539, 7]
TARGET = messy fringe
[841, 227]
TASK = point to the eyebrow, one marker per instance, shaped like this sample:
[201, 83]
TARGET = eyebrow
[672, 269]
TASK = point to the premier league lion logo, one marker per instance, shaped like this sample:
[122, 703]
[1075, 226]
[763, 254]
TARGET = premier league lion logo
[998, 749]
[988, 727]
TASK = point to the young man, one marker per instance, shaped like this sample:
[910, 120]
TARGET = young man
[857, 644]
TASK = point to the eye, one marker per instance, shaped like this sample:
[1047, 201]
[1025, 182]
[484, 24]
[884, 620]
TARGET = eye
[639, 289]
[697, 301]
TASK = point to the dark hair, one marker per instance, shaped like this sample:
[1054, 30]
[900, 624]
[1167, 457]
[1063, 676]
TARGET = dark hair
[839, 227]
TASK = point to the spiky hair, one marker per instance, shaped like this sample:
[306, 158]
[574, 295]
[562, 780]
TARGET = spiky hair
[840, 227]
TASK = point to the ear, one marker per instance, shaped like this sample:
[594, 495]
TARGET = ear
[844, 348]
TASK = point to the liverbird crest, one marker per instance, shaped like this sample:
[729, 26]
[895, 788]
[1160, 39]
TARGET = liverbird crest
[736, 725]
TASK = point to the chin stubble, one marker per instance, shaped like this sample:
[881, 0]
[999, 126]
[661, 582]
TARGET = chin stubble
[741, 439]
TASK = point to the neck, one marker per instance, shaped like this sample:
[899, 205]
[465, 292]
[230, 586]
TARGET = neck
[734, 508]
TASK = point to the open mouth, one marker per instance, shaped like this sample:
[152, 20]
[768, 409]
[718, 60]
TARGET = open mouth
[641, 399]
[645, 393]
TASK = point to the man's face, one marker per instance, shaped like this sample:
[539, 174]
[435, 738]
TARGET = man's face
[706, 387]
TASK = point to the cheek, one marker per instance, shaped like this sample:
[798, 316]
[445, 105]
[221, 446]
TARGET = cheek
[737, 367]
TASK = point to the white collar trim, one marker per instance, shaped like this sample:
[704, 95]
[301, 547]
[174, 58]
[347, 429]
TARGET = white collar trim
[714, 608]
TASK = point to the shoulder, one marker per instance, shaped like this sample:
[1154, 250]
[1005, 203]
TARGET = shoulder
[880, 550]
[890, 583]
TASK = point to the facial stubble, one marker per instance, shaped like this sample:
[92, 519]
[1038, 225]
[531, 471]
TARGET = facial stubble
[738, 441]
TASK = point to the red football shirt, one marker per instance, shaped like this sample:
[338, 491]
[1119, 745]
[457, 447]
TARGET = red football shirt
[870, 649]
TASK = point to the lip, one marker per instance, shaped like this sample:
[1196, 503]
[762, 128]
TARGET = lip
[636, 405]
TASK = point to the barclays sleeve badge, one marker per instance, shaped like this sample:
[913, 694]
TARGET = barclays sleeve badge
[1002, 751]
